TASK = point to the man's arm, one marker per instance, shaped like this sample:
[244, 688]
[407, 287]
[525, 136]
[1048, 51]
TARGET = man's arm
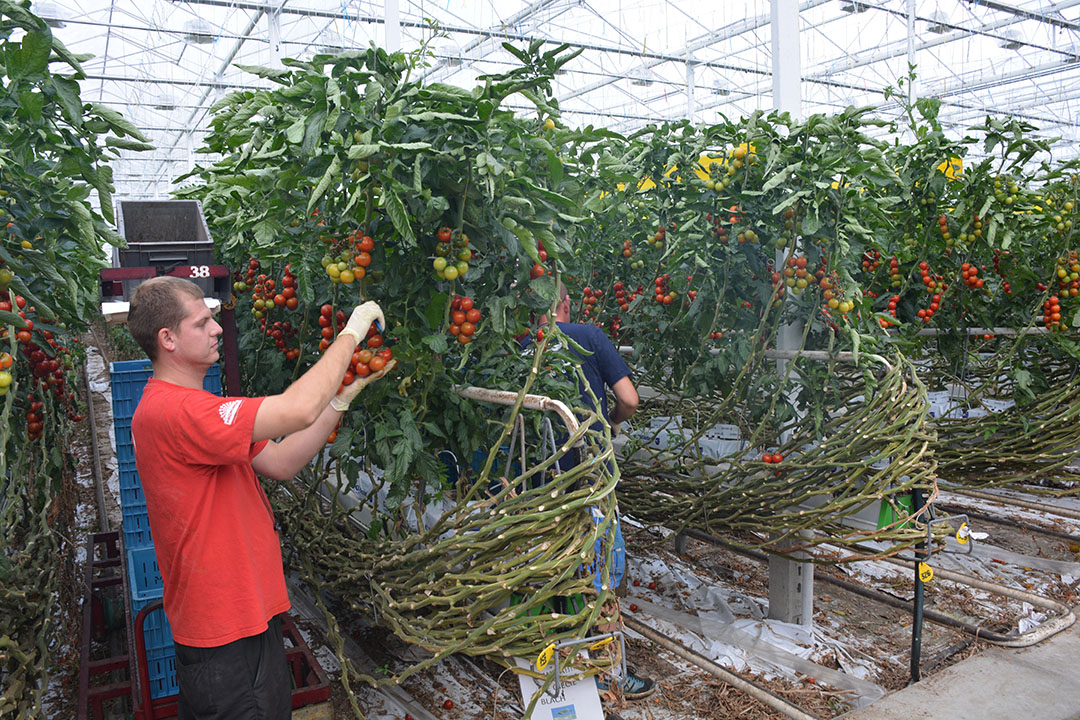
[626, 400]
[283, 460]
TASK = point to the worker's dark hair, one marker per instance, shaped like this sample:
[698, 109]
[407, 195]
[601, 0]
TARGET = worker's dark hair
[156, 304]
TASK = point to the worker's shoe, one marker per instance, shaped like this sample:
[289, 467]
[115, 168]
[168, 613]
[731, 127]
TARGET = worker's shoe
[634, 687]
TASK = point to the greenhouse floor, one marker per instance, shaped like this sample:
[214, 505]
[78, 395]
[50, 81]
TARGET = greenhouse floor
[1036, 683]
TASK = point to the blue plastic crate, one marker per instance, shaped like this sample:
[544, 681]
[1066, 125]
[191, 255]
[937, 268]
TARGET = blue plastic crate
[131, 497]
[143, 573]
[128, 378]
[146, 587]
[125, 448]
[136, 528]
[129, 477]
[161, 667]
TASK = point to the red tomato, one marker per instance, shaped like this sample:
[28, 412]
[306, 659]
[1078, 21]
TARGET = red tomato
[377, 364]
[466, 304]
[473, 316]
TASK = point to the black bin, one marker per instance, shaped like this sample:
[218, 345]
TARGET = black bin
[165, 234]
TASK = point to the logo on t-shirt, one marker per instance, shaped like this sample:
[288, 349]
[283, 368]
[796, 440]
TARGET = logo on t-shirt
[228, 411]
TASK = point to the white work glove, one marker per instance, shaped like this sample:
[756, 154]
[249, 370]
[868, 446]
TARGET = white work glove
[343, 399]
[361, 319]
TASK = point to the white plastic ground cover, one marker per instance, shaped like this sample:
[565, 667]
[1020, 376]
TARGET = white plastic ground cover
[702, 616]
[98, 379]
[356, 500]
[664, 431]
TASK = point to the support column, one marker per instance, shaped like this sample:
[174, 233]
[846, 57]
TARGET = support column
[691, 106]
[911, 46]
[273, 34]
[791, 582]
[393, 26]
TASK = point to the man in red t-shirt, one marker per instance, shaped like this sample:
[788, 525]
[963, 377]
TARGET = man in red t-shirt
[214, 532]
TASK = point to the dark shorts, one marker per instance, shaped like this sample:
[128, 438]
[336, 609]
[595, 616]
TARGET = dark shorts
[245, 680]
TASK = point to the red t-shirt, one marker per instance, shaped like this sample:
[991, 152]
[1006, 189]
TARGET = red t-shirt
[213, 529]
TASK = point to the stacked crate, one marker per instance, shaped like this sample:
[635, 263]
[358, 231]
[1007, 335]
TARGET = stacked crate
[128, 380]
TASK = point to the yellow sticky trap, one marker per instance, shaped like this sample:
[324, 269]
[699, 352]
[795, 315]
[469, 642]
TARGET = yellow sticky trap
[926, 573]
[602, 642]
[545, 657]
[963, 534]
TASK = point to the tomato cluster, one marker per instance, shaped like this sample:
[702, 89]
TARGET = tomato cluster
[871, 260]
[719, 231]
[351, 263]
[657, 238]
[47, 363]
[1052, 313]
[664, 295]
[245, 282]
[464, 317]
[448, 266]
[970, 276]
[1068, 275]
[895, 279]
[589, 300]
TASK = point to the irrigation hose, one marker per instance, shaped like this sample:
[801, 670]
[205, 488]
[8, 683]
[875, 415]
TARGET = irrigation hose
[755, 691]
[1062, 621]
[1042, 507]
[995, 638]
[95, 467]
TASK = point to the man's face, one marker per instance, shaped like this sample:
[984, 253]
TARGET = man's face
[197, 336]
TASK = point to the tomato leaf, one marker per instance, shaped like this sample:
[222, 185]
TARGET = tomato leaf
[399, 217]
[119, 124]
[10, 318]
[126, 144]
[437, 343]
[324, 183]
[67, 91]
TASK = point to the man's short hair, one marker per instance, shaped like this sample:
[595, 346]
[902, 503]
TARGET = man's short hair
[156, 304]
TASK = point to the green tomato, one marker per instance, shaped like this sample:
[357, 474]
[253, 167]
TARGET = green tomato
[439, 264]
[451, 272]
[462, 268]
[465, 255]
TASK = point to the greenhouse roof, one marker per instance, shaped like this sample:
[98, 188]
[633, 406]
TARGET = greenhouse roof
[163, 64]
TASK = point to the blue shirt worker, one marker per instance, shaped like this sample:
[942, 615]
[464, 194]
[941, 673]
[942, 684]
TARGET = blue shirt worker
[604, 368]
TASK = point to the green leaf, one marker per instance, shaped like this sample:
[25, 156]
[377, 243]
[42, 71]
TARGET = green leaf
[31, 105]
[32, 57]
[276, 74]
[10, 318]
[324, 183]
[67, 56]
[117, 122]
[67, 91]
[1076, 319]
[437, 343]
[399, 217]
[555, 169]
[295, 132]
[126, 144]
[435, 310]
[361, 151]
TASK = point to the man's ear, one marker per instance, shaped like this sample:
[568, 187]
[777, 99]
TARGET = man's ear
[166, 339]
